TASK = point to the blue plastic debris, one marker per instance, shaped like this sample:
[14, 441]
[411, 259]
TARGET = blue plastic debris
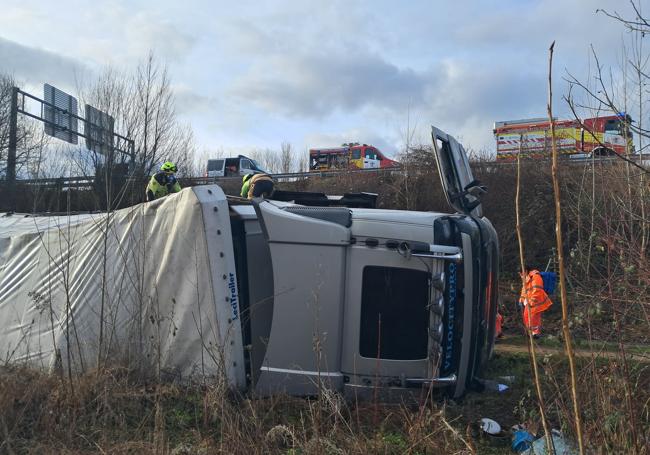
[561, 446]
[521, 440]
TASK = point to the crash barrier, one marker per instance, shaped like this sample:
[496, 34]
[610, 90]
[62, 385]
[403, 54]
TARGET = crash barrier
[86, 193]
[85, 182]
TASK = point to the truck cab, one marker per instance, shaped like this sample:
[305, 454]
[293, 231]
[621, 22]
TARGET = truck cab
[232, 167]
[362, 300]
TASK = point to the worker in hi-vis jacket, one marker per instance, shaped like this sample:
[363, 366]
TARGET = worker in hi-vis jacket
[163, 183]
[533, 300]
[257, 185]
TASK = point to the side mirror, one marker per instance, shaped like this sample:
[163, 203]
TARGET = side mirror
[476, 191]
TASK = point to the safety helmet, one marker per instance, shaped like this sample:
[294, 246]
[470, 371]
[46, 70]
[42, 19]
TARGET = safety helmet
[246, 177]
[168, 167]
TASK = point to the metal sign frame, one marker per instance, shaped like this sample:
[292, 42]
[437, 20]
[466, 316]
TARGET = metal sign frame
[121, 144]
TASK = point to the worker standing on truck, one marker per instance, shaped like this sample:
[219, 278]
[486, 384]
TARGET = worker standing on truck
[257, 185]
[533, 300]
[163, 183]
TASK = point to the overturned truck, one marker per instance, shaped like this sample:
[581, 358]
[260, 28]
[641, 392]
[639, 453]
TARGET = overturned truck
[271, 296]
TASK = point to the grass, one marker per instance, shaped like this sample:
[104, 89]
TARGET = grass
[115, 413]
[112, 413]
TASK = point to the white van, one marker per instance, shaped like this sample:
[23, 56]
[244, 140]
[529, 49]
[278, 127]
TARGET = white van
[231, 167]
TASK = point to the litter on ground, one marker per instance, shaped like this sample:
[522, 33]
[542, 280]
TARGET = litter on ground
[561, 445]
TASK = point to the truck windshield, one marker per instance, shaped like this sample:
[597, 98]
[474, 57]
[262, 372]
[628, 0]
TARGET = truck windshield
[370, 154]
[257, 166]
[613, 126]
[394, 304]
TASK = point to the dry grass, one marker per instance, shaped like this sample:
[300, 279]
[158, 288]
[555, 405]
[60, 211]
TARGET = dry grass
[113, 413]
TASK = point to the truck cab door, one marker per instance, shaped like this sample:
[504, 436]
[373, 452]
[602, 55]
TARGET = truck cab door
[308, 250]
[463, 192]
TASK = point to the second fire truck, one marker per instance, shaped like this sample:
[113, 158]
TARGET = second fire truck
[349, 156]
[598, 136]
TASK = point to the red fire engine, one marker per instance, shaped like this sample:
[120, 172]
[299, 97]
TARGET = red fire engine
[350, 156]
[601, 136]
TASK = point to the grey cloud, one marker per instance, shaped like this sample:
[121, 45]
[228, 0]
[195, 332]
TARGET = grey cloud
[466, 99]
[464, 96]
[189, 102]
[317, 85]
[146, 31]
[247, 37]
[526, 29]
[36, 66]
[302, 27]
[497, 90]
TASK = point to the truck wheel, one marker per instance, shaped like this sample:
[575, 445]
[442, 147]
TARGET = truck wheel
[603, 151]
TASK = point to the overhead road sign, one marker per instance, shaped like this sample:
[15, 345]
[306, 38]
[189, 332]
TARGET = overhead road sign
[99, 131]
[60, 114]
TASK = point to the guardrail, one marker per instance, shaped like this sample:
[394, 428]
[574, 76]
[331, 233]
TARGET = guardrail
[88, 181]
[79, 182]
[60, 182]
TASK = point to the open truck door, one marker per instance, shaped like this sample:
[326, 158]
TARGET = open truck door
[463, 192]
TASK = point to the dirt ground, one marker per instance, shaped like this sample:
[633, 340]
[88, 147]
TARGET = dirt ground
[637, 353]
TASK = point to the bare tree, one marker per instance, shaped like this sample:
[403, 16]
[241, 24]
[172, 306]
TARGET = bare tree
[268, 159]
[616, 251]
[624, 91]
[286, 158]
[154, 125]
[30, 140]
[303, 161]
[143, 107]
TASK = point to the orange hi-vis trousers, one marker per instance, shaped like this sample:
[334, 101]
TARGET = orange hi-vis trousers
[534, 323]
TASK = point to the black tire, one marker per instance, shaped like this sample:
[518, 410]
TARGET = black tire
[603, 151]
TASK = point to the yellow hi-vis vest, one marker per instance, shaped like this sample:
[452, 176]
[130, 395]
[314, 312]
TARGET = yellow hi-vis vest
[162, 184]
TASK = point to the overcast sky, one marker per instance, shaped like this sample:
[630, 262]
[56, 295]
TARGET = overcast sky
[319, 73]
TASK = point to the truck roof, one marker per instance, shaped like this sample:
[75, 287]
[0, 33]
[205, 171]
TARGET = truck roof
[538, 120]
[522, 121]
[343, 147]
